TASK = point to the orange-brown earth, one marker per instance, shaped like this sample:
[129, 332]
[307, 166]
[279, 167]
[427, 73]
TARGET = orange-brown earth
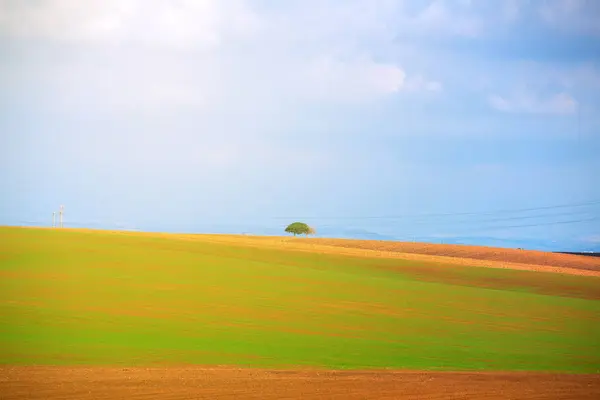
[479, 256]
[472, 252]
[83, 383]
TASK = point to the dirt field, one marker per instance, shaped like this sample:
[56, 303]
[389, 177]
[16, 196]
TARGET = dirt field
[480, 256]
[50, 383]
[472, 252]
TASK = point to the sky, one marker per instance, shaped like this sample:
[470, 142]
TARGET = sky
[360, 117]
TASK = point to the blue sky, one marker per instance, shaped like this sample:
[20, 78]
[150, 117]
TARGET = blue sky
[243, 115]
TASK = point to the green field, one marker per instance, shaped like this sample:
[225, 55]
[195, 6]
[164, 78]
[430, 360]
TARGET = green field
[69, 297]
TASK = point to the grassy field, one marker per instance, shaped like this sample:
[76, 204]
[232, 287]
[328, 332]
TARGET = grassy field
[99, 298]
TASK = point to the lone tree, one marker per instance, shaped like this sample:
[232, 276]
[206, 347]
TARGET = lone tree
[299, 228]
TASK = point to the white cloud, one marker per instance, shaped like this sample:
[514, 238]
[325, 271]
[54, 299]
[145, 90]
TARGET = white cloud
[354, 80]
[115, 80]
[153, 55]
[438, 18]
[560, 103]
[240, 57]
[420, 83]
[179, 24]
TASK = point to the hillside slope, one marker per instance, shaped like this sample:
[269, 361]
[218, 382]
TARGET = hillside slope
[101, 298]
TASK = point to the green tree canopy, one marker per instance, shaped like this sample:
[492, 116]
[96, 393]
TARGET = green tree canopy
[299, 228]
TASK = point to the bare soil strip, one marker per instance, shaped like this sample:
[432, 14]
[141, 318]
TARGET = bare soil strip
[176, 383]
[473, 252]
[475, 256]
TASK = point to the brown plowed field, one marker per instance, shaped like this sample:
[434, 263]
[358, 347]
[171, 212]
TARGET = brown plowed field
[477, 256]
[471, 252]
[83, 383]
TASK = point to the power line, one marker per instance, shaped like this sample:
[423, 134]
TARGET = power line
[479, 221]
[505, 211]
[535, 225]
[501, 227]
[431, 224]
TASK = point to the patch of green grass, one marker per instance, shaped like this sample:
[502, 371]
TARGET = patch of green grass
[94, 298]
